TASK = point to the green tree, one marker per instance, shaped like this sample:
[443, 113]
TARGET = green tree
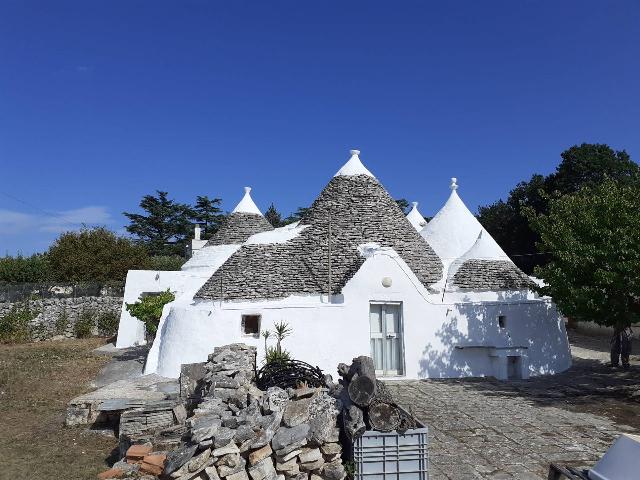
[403, 204]
[21, 269]
[165, 228]
[273, 216]
[296, 216]
[95, 254]
[166, 262]
[584, 165]
[594, 240]
[207, 212]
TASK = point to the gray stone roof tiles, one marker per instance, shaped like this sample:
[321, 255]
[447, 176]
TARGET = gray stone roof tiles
[238, 227]
[361, 211]
[492, 275]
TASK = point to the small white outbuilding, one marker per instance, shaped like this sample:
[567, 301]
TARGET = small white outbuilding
[354, 277]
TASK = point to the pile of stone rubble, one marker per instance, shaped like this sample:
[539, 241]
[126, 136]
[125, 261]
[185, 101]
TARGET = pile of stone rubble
[227, 428]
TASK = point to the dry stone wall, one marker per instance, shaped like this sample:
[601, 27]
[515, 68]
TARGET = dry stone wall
[55, 318]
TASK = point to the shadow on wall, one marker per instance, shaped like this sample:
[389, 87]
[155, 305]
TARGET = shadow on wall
[471, 331]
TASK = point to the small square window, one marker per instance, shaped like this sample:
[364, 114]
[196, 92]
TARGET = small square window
[502, 321]
[251, 325]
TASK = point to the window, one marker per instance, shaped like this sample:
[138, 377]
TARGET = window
[251, 325]
[502, 321]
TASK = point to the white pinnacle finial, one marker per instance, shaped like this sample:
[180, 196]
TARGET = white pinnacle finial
[354, 166]
[415, 204]
[247, 204]
[454, 184]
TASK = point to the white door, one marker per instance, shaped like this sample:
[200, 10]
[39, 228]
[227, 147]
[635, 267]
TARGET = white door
[385, 320]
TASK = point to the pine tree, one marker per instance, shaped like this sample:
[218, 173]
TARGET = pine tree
[273, 216]
[166, 226]
[207, 211]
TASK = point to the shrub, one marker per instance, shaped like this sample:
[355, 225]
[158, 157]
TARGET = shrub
[84, 324]
[274, 355]
[166, 262]
[94, 255]
[277, 354]
[149, 309]
[108, 322]
[62, 322]
[21, 269]
[350, 469]
[14, 325]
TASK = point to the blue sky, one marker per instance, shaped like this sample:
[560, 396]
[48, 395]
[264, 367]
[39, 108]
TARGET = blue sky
[102, 102]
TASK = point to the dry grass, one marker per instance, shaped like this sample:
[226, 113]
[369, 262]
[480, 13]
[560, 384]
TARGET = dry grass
[36, 382]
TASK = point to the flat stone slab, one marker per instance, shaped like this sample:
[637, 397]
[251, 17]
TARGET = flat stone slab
[149, 391]
[125, 364]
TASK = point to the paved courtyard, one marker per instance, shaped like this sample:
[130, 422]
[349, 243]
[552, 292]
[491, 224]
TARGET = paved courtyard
[486, 429]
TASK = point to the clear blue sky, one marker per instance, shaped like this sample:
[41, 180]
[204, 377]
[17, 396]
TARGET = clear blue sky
[102, 102]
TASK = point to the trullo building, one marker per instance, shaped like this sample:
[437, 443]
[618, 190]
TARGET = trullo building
[354, 277]
[244, 221]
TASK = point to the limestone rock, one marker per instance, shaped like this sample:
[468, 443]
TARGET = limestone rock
[334, 471]
[240, 475]
[228, 449]
[275, 399]
[323, 413]
[310, 455]
[263, 470]
[204, 427]
[331, 448]
[297, 412]
[299, 476]
[230, 464]
[268, 427]
[312, 466]
[288, 456]
[260, 454]
[288, 436]
[223, 436]
[212, 473]
[290, 467]
[177, 458]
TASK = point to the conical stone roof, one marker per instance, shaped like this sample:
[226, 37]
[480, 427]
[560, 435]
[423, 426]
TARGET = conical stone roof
[486, 267]
[454, 229]
[359, 210]
[415, 217]
[245, 220]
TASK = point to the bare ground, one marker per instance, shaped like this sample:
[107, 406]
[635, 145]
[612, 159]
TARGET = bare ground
[36, 382]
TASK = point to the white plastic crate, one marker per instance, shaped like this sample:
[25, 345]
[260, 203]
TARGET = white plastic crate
[392, 456]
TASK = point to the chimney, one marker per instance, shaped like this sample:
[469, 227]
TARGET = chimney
[198, 230]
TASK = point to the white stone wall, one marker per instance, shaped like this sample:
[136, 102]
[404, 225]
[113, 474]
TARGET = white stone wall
[325, 334]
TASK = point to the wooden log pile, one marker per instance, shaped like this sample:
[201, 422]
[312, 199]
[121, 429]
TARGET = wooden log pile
[366, 402]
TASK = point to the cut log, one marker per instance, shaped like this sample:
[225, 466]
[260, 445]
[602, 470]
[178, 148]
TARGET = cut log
[343, 371]
[353, 420]
[362, 386]
[384, 417]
